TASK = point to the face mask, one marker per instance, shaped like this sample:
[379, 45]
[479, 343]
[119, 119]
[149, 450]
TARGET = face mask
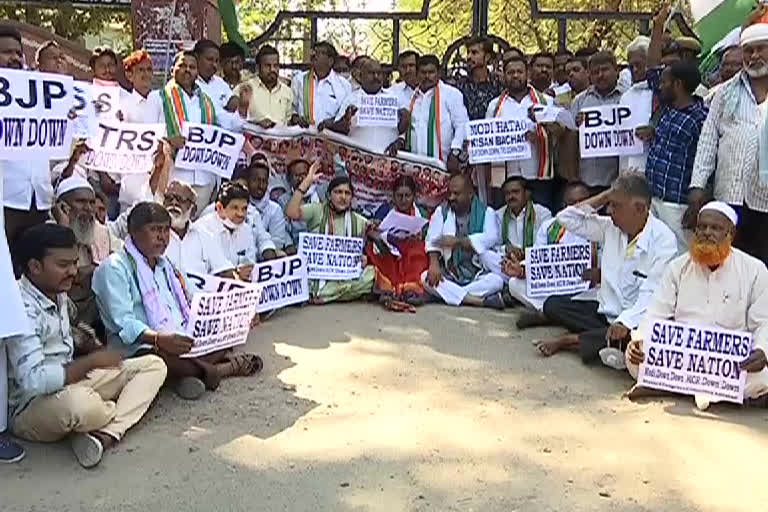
[229, 224]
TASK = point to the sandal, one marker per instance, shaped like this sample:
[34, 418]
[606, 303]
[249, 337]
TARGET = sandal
[242, 364]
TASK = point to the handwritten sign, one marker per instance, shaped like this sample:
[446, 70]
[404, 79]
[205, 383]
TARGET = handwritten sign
[609, 131]
[34, 109]
[123, 148]
[209, 148]
[498, 140]
[377, 110]
[556, 269]
[695, 359]
[332, 258]
[283, 282]
[221, 320]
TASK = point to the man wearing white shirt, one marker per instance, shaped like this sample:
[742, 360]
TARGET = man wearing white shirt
[319, 91]
[377, 138]
[229, 227]
[426, 136]
[409, 78]
[636, 247]
[213, 85]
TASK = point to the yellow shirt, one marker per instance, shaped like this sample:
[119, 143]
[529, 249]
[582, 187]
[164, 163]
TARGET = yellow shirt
[276, 105]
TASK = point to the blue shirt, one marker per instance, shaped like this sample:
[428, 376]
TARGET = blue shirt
[118, 297]
[673, 149]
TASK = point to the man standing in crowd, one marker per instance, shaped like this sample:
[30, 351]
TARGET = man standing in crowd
[437, 116]
[713, 284]
[637, 57]
[97, 397]
[599, 172]
[673, 145]
[377, 138]
[541, 71]
[560, 75]
[103, 64]
[319, 91]
[49, 58]
[409, 78]
[271, 101]
[578, 80]
[731, 63]
[232, 57]
[13, 319]
[733, 145]
[459, 233]
[636, 247]
[215, 87]
[637, 93]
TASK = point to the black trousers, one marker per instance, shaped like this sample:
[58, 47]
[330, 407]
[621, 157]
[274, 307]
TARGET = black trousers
[752, 233]
[580, 316]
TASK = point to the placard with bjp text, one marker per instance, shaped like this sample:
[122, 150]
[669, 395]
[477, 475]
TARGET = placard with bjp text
[609, 131]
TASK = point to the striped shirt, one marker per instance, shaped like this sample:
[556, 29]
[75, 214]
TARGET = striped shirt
[728, 146]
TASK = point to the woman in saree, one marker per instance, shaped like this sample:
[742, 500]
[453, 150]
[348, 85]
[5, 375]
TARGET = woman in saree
[398, 277]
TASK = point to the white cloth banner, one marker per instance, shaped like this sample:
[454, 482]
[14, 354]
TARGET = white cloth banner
[330, 257]
[695, 359]
[499, 139]
[556, 269]
[209, 148]
[34, 110]
[377, 110]
[610, 131]
[283, 282]
[123, 148]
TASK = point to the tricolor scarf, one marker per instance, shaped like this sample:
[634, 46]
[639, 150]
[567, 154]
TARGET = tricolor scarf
[309, 96]
[460, 267]
[528, 225]
[175, 109]
[546, 164]
[433, 126]
[159, 316]
[555, 235]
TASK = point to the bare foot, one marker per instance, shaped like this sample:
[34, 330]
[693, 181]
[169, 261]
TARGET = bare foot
[645, 392]
[553, 346]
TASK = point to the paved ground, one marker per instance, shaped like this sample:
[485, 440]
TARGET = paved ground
[449, 409]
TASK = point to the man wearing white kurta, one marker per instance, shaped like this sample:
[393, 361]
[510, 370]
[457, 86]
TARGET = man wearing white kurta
[319, 91]
[459, 234]
[713, 285]
[636, 247]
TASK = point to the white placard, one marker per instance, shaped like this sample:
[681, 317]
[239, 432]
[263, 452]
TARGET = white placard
[283, 282]
[554, 114]
[401, 225]
[559, 90]
[499, 139]
[695, 359]
[123, 148]
[34, 110]
[106, 99]
[609, 131]
[85, 122]
[556, 269]
[221, 320]
[377, 110]
[209, 148]
[330, 257]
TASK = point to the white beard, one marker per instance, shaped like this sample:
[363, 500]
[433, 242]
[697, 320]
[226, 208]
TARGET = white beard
[83, 230]
[179, 220]
[759, 72]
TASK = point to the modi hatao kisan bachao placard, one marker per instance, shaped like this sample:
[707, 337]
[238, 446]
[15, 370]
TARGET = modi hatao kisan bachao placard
[34, 115]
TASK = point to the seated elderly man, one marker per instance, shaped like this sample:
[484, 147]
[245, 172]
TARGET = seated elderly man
[459, 234]
[332, 217]
[228, 226]
[143, 301]
[74, 208]
[636, 247]
[94, 399]
[717, 285]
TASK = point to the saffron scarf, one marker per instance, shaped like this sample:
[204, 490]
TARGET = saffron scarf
[158, 314]
[546, 165]
[309, 96]
[460, 266]
[433, 125]
[528, 225]
[175, 109]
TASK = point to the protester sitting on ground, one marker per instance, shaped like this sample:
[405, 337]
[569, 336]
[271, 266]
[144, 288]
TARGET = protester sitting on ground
[95, 398]
[228, 226]
[263, 213]
[713, 284]
[636, 247]
[144, 302]
[459, 233]
[297, 170]
[74, 208]
[520, 218]
[398, 275]
[551, 232]
[334, 216]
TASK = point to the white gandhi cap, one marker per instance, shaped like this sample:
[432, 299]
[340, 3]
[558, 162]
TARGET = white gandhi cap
[754, 34]
[72, 183]
[719, 206]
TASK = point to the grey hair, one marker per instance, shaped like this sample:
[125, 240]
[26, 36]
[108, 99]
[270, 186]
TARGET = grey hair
[639, 44]
[634, 185]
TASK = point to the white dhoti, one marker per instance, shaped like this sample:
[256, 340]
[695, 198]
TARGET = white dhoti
[518, 289]
[671, 214]
[454, 294]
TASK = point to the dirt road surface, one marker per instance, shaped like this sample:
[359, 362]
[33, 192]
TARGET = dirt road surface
[449, 409]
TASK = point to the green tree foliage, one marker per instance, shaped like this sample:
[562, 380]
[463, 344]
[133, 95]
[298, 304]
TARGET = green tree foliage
[67, 21]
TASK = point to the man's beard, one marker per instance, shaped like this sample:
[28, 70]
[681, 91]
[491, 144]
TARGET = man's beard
[179, 219]
[83, 228]
[710, 254]
[758, 72]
